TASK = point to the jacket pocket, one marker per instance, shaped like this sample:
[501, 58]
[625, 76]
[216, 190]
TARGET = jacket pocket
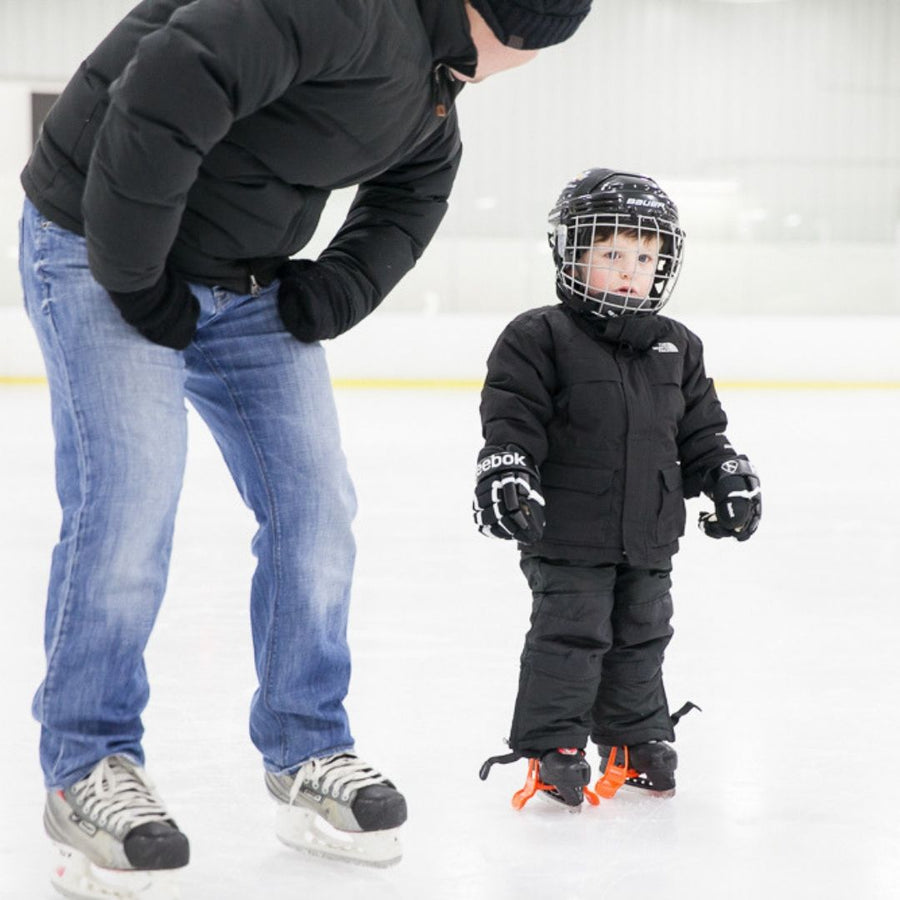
[579, 504]
[672, 513]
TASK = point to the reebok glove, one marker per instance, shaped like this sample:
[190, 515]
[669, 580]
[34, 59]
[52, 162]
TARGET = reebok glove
[508, 502]
[733, 486]
[165, 313]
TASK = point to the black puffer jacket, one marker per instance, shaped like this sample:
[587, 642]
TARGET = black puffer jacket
[211, 133]
[621, 420]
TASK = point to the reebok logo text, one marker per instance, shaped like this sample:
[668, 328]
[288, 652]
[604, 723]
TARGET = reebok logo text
[500, 460]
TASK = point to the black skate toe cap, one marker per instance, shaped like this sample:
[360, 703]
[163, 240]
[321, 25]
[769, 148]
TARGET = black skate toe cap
[565, 769]
[157, 845]
[378, 807]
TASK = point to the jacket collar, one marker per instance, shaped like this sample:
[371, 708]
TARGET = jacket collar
[632, 333]
[447, 27]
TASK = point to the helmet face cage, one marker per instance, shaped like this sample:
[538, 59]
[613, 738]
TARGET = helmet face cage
[616, 243]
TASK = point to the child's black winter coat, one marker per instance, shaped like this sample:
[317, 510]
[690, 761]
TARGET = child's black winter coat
[621, 420]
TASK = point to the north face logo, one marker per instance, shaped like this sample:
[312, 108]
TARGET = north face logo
[665, 347]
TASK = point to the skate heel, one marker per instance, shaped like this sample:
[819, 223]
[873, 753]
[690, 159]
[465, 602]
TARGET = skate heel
[74, 875]
[656, 763]
[303, 829]
[650, 767]
[657, 785]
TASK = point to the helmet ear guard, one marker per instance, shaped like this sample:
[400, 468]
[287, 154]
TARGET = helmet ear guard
[560, 246]
[622, 213]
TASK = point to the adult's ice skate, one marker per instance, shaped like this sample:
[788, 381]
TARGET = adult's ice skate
[339, 807]
[649, 767]
[112, 837]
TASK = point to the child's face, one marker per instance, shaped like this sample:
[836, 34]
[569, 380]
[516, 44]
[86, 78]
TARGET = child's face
[621, 264]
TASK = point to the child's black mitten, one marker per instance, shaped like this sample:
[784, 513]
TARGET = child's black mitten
[508, 502]
[733, 486]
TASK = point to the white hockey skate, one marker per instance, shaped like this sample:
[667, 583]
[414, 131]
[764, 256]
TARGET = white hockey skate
[112, 838]
[340, 808]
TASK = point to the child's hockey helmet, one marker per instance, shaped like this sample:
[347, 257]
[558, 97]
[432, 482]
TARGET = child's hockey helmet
[599, 204]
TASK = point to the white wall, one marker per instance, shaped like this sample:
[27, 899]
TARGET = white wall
[775, 126]
[15, 144]
[416, 348]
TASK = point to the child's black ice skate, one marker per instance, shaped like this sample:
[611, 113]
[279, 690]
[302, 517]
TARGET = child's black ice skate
[563, 775]
[566, 773]
[649, 766]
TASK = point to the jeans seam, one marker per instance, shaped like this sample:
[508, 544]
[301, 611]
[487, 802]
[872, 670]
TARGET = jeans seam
[64, 601]
[276, 543]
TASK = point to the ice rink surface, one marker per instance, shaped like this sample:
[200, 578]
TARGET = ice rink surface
[790, 643]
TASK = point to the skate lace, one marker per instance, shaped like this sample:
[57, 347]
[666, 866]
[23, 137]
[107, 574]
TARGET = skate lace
[340, 776]
[117, 797]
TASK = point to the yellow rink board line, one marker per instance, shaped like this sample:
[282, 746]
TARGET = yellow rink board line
[751, 384]
[788, 384]
[19, 380]
[470, 384]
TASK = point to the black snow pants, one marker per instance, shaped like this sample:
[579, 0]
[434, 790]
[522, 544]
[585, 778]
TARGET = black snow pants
[592, 663]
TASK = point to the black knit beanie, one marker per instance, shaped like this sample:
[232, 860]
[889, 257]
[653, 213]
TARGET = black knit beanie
[530, 24]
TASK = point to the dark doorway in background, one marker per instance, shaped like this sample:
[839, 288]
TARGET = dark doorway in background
[40, 106]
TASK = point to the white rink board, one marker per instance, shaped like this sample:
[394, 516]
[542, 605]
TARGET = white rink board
[414, 346]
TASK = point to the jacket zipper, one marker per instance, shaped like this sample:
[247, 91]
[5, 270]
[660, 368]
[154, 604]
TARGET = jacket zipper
[625, 454]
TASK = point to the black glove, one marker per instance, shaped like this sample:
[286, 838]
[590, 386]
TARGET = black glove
[508, 502]
[734, 488]
[165, 313]
[313, 300]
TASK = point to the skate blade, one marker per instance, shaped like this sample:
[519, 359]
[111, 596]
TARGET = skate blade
[73, 875]
[640, 790]
[548, 800]
[301, 829]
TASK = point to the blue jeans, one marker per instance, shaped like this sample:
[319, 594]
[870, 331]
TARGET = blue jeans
[119, 419]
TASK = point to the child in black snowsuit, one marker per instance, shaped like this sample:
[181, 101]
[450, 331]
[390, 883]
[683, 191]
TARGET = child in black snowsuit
[599, 420]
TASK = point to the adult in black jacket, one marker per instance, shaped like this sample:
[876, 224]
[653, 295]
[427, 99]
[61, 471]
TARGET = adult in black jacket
[183, 166]
[599, 420]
